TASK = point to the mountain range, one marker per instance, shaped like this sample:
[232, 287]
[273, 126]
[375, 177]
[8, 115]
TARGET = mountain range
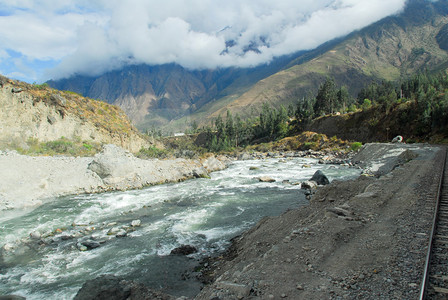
[172, 97]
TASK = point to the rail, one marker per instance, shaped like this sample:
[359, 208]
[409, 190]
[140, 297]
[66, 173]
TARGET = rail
[425, 282]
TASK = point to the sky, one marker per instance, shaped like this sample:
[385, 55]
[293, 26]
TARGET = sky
[53, 39]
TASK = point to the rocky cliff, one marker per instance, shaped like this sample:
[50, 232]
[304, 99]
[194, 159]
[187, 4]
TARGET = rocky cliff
[36, 112]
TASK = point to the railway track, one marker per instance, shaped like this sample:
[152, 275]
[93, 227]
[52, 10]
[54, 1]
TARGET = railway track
[435, 280]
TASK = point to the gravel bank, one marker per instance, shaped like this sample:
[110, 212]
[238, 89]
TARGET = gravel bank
[26, 181]
[361, 239]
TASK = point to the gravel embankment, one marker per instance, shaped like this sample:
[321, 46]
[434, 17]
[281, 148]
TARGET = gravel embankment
[361, 239]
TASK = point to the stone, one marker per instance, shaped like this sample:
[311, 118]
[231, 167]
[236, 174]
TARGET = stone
[136, 223]
[90, 244]
[266, 179]
[113, 231]
[58, 99]
[16, 90]
[397, 139]
[51, 120]
[11, 297]
[253, 168]
[109, 287]
[339, 211]
[244, 156]
[184, 250]
[121, 233]
[82, 247]
[241, 291]
[320, 178]
[35, 235]
[308, 185]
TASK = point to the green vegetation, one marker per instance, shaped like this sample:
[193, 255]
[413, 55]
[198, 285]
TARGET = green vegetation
[271, 124]
[355, 146]
[62, 146]
[152, 152]
[42, 86]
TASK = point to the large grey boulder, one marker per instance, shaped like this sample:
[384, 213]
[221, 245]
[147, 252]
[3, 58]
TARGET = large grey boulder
[320, 178]
[113, 161]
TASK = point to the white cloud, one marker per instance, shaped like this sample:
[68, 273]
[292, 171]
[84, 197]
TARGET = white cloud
[91, 37]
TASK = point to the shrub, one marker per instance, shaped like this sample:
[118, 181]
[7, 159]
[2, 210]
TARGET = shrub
[152, 152]
[355, 146]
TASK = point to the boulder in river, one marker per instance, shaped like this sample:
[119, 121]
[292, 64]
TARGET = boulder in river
[91, 244]
[184, 250]
[266, 179]
[136, 223]
[308, 185]
[320, 178]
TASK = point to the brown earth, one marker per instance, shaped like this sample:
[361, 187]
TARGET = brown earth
[361, 239]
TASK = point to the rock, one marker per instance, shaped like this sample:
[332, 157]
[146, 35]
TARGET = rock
[35, 235]
[253, 168]
[113, 231]
[51, 120]
[306, 166]
[213, 164]
[109, 287]
[244, 156]
[136, 223]
[113, 161]
[320, 178]
[16, 90]
[82, 247]
[308, 185]
[200, 173]
[12, 297]
[241, 291]
[184, 250]
[397, 139]
[339, 211]
[90, 244]
[121, 233]
[266, 179]
[58, 99]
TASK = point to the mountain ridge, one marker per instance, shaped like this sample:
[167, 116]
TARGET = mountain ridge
[172, 97]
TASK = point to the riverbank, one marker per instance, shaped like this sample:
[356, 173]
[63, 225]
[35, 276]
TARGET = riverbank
[361, 239]
[27, 181]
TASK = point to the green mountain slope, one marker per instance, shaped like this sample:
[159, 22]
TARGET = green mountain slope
[170, 97]
[388, 50]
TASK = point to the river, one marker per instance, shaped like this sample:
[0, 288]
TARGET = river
[205, 213]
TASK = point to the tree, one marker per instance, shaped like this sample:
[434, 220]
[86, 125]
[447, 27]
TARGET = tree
[230, 127]
[343, 98]
[326, 98]
[220, 127]
[304, 113]
[267, 121]
[281, 122]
